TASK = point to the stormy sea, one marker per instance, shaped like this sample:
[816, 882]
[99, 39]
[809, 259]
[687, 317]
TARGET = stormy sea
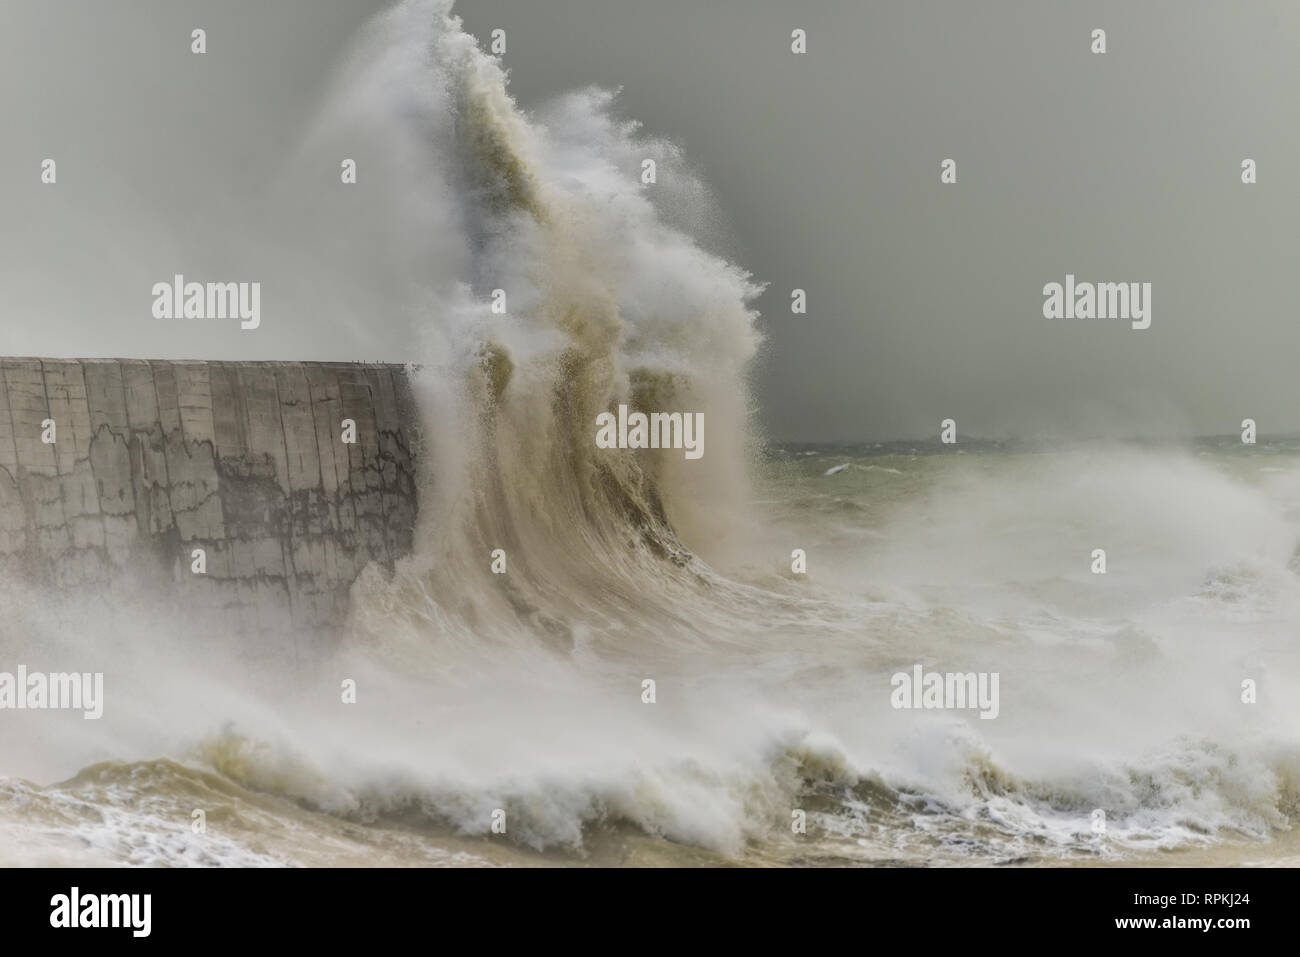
[623, 656]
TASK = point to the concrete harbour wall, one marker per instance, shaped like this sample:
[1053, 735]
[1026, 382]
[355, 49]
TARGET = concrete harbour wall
[245, 460]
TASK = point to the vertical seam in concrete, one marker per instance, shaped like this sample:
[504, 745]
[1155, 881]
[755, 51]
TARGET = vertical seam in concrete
[348, 496]
[13, 426]
[90, 464]
[167, 468]
[320, 466]
[379, 465]
[286, 546]
[315, 437]
[162, 429]
[30, 541]
[58, 475]
[129, 438]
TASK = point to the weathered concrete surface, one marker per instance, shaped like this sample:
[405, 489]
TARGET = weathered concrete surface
[245, 460]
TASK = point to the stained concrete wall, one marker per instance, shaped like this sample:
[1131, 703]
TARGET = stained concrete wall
[245, 460]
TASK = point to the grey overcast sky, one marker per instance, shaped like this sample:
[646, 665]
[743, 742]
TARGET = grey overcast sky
[924, 300]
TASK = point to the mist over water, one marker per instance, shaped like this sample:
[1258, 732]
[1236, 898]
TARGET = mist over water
[523, 691]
